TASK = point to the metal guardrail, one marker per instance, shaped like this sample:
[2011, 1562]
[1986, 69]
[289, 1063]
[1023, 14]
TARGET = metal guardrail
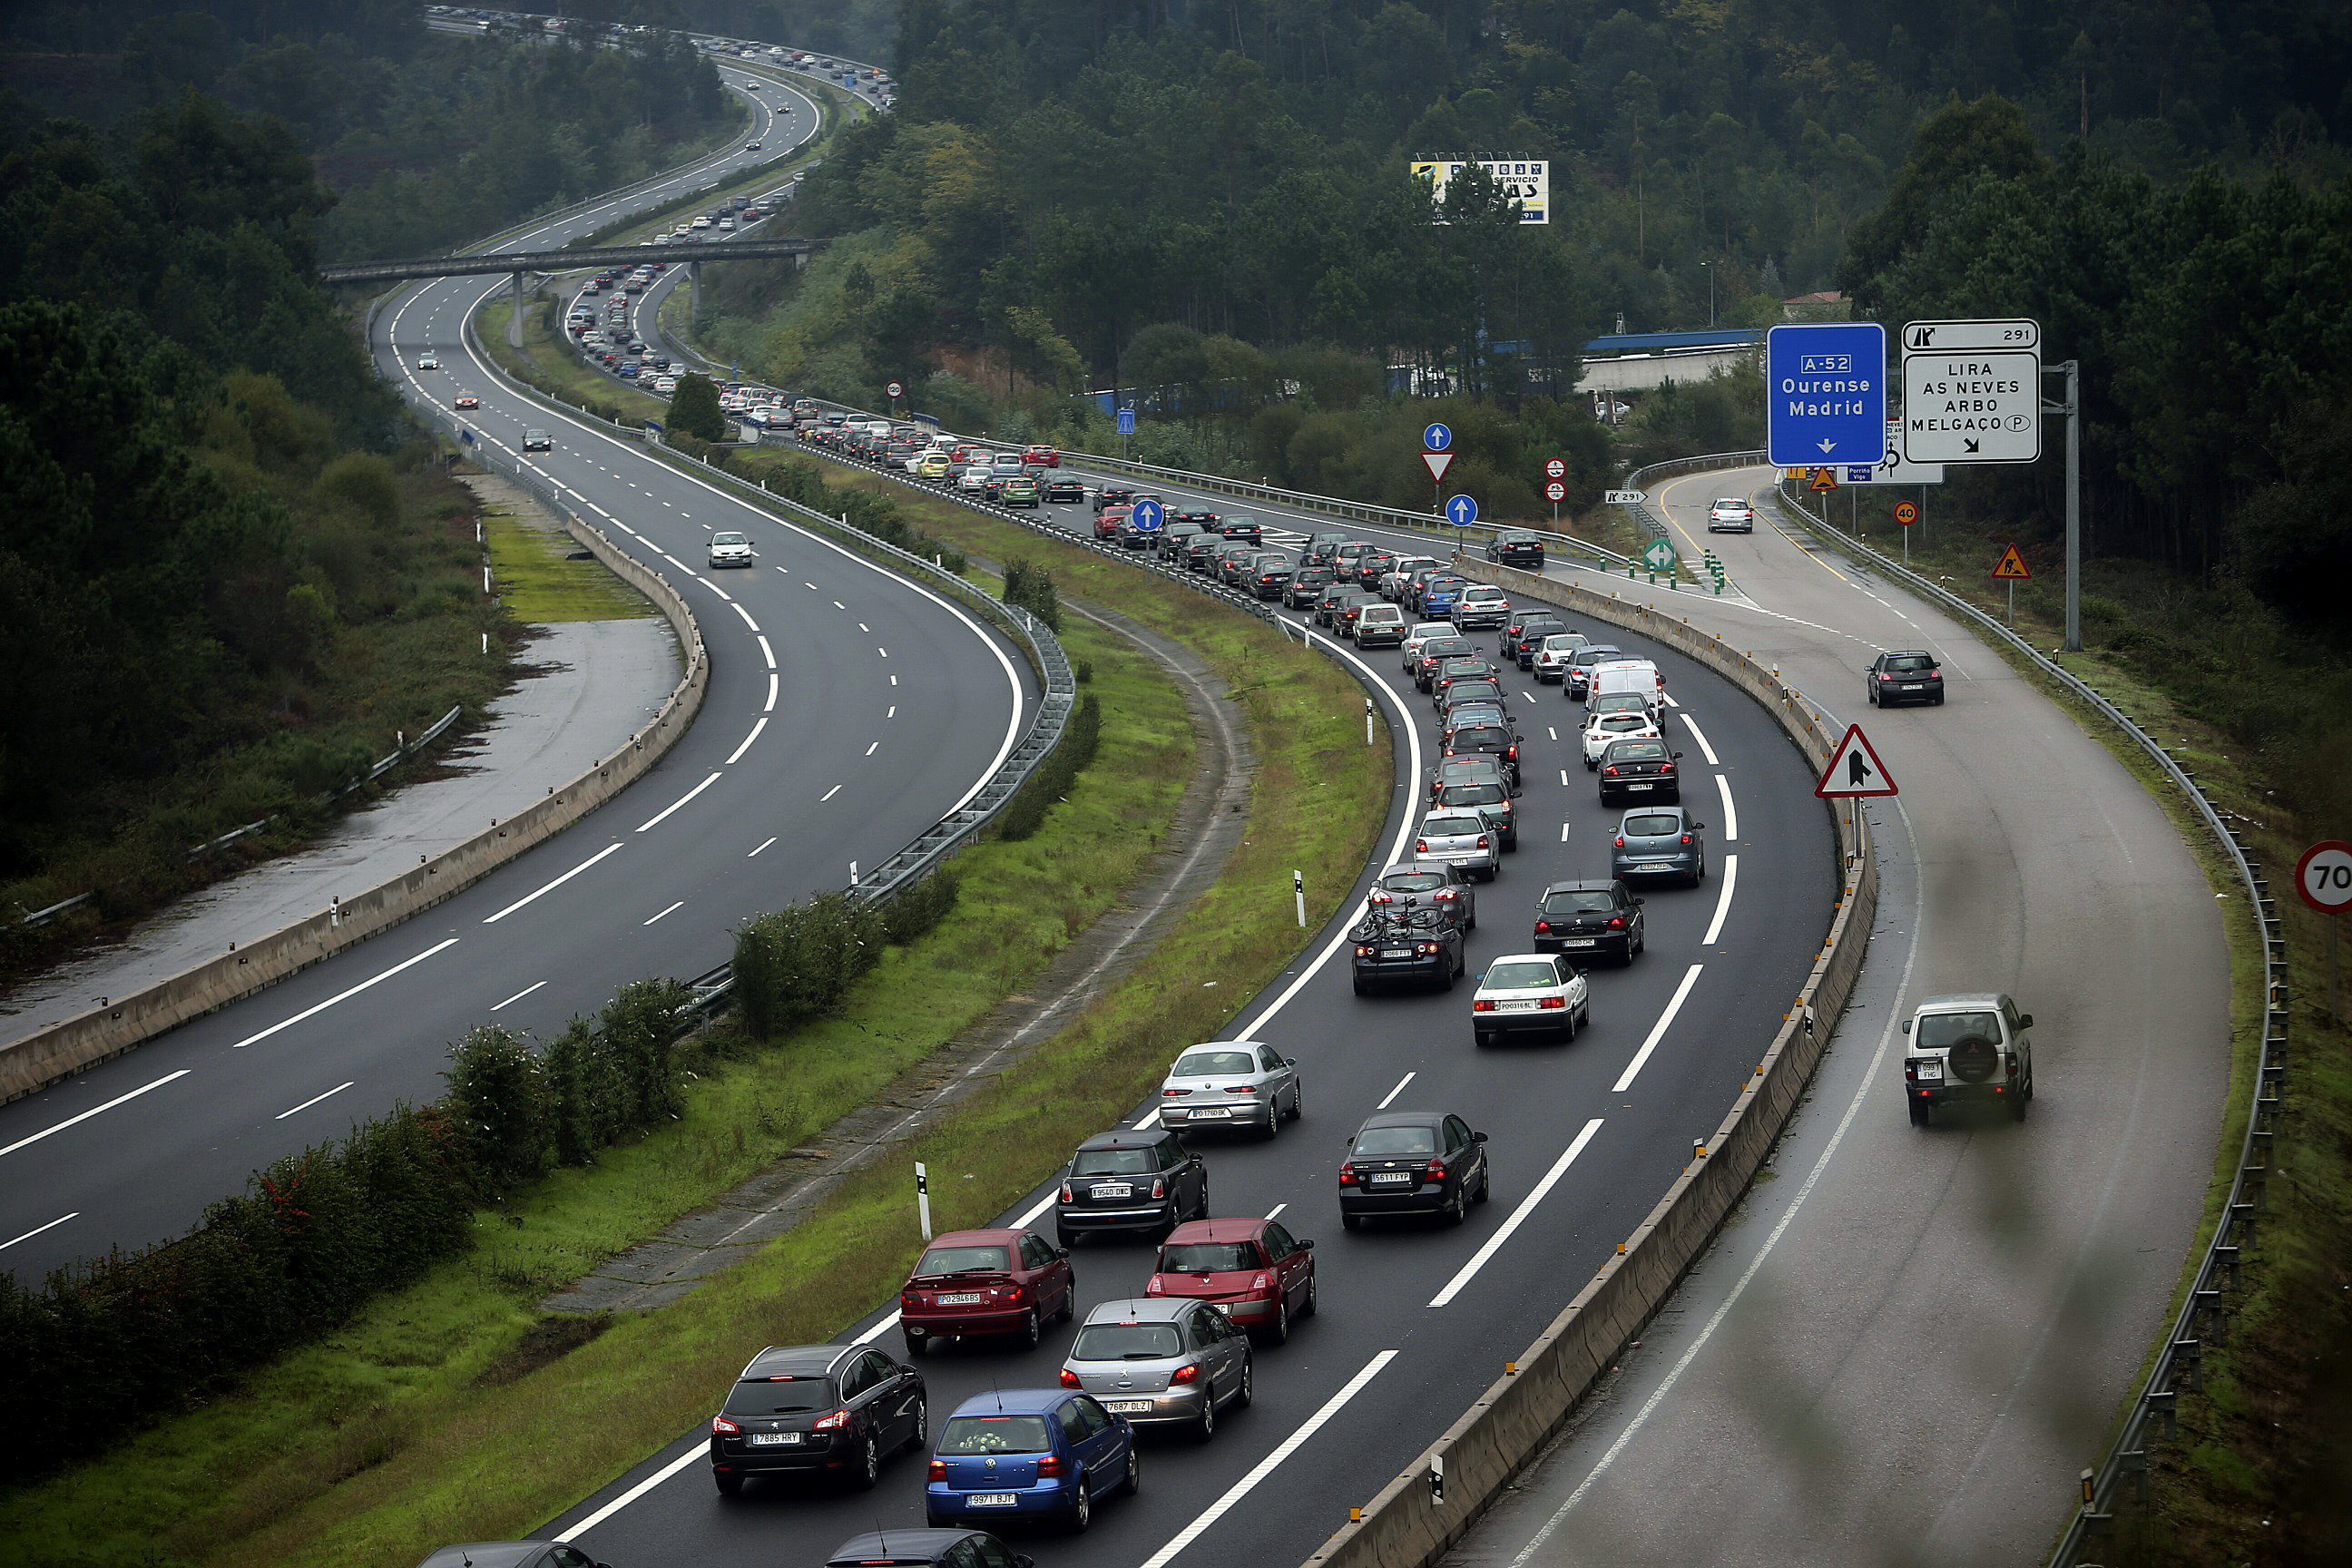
[2179, 1361]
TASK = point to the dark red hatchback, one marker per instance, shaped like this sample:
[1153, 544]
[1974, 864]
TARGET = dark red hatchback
[973, 1282]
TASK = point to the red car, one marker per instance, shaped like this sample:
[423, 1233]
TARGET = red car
[986, 1282]
[1041, 458]
[1108, 521]
[469, 401]
[1261, 1274]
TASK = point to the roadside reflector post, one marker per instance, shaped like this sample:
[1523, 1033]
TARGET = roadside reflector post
[1368, 721]
[1298, 891]
[923, 1198]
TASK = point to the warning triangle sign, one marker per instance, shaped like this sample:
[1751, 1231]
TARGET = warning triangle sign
[1824, 481]
[2012, 567]
[1855, 772]
[1438, 463]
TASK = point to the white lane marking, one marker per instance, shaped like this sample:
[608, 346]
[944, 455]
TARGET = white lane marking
[672, 909]
[894, 679]
[1668, 699]
[314, 1099]
[1730, 812]
[37, 1230]
[1275, 1210]
[1266, 1467]
[343, 995]
[1722, 900]
[864, 627]
[1407, 1078]
[1552, 733]
[828, 794]
[94, 1110]
[758, 725]
[886, 654]
[869, 750]
[890, 1320]
[519, 996]
[1563, 832]
[657, 817]
[894, 711]
[770, 706]
[1700, 736]
[1657, 1031]
[1148, 1118]
[812, 587]
[769, 840]
[700, 1450]
[742, 612]
[1502, 1233]
[552, 885]
[1867, 1084]
[1563, 778]
[839, 606]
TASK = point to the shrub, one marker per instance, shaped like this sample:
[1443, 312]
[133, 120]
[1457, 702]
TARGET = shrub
[1052, 781]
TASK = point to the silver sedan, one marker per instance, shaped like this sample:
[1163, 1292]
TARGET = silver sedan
[1231, 1083]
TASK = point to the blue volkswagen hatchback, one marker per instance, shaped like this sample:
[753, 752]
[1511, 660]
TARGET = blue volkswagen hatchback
[1028, 1454]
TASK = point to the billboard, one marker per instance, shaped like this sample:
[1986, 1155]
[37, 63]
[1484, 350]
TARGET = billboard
[1527, 181]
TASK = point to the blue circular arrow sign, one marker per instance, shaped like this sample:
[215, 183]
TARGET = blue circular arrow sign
[1437, 438]
[1461, 512]
[1147, 515]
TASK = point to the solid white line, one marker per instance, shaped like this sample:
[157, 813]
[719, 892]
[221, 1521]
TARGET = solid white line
[756, 726]
[767, 653]
[1275, 1210]
[1658, 1031]
[890, 1320]
[1266, 1467]
[313, 1100]
[341, 995]
[1519, 1216]
[1730, 812]
[699, 1451]
[37, 1230]
[673, 909]
[1700, 736]
[828, 794]
[769, 840]
[551, 886]
[770, 706]
[93, 1111]
[1407, 1078]
[681, 800]
[519, 996]
[1150, 1117]
[1722, 900]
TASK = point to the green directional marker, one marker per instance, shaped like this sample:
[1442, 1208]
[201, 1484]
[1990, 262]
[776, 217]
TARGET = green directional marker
[1658, 557]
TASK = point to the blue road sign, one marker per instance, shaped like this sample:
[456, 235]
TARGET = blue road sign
[1126, 421]
[1437, 438]
[1461, 512]
[1824, 393]
[1147, 515]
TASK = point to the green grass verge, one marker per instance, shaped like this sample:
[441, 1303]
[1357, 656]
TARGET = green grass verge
[407, 1430]
[2250, 1479]
[538, 583]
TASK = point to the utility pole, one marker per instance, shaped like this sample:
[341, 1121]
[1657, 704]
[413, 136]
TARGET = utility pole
[1709, 268]
[2073, 410]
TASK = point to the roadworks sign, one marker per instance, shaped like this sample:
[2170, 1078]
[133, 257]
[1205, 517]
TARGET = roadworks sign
[2012, 567]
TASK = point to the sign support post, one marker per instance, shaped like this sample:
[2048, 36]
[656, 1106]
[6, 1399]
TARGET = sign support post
[2324, 879]
[2073, 410]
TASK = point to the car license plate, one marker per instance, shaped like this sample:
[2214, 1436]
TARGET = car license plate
[1915, 686]
[1114, 1190]
[960, 1299]
[1211, 1111]
[1638, 783]
[1396, 952]
[1580, 942]
[1518, 1007]
[1928, 1072]
[1390, 1178]
[774, 1440]
[992, 1499]
[1127, 1406]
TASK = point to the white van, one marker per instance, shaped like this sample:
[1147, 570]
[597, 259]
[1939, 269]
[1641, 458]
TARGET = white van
[1630, 675]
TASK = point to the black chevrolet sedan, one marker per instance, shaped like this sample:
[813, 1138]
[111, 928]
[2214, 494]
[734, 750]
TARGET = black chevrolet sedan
[1589, 917]
[1412, 1162]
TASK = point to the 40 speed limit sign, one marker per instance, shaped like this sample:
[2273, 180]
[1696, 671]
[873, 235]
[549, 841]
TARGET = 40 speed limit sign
[2324, 876]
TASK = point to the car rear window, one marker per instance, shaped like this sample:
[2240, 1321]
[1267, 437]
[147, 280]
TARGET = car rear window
[1657, 825]
[1473, 794]
[1453, 827]
[1911, 661]
[1208, 1257]
[1637, 751]
[1413, 882]
[1125, 1341]
[1507, 976]
[769, 1396]
[1582, 900]
[1447, 648]
[1114, 1163]
[1207, 1064]
[1481, 735]
[1942, 1031]
[994, 1435]
[1622, 702]
[1378, 1142]
[963, 1259]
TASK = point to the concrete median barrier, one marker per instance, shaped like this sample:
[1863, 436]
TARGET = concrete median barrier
[118, 1024]
[1407, 1525]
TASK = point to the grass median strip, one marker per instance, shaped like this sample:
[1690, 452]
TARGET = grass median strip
[408, 1429]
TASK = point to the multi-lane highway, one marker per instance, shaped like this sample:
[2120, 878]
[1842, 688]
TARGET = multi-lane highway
[848, 711]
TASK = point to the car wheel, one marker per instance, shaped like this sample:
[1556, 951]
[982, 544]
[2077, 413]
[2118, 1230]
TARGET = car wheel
[1920, 1113]
[1360, 988]
[916, 1343]
[1445, 981]
[1472, 923]
[1483, 1039]
[920, 1434]
[1309, 1310]
[1454, 1211]
[869, 1470]
[1249, 1385]
[1297, 1102]
[1134, 1470]
[1205, 1428]
[1940, 700]
[728, 1486]
[1870, 695]
[1082, 1507]
[2029, 1086]
[1065, 1237]
[1571, 1027]
[1486, 1185]
[2017, 1106]
[1280, 1334]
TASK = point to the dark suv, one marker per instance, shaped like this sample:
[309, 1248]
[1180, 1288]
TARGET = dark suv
[1908, 675]
[1308, 585]
[1521, 549]
[1594, 916]
[1131, 1180]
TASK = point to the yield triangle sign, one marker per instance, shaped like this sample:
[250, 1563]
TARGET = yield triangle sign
[1438, 463]
[2012, 567]
[1855, 770]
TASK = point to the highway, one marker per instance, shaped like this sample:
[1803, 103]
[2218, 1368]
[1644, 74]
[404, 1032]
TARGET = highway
[848, 711]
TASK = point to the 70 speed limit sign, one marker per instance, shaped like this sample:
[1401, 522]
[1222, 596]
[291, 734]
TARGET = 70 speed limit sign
[2324, 876]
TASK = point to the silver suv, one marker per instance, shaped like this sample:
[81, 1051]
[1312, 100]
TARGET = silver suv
[1973, 1047]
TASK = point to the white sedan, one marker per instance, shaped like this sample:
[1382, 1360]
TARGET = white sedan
[975, 478]
[428, 362]
[1603, 731]
[1732, 515]
[1530, 993]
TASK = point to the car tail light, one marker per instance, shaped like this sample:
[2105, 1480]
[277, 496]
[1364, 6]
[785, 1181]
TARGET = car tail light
[836, 1422]
[1543, 928]
[1513, 754]
[1435, 1171]
[1175, 1093]
[1188, 1372]
[1621, 841]
[1445, 895]
[1070, 1379]
[1616, 922]
[939, 1471]
[1482, 842]
[1611, 770]
[1421, 845]
[909, 1301]
[720, 1424]
[1665, 767]
[1241, 1088]
[1383, 896]
[1067, 1196]
[1483, 1005]
[1050, 1464]
[1687, 839]
[1362, 951]
[1159, 1186]
[1885, 676]
[1346, 1175]
[1553, 1003]
[1425, 947]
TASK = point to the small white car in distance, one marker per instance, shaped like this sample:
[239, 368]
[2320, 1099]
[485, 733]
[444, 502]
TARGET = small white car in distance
[428, 362]
[1603, 731]
[730, 549]
[1732, 515]
[1530, 993]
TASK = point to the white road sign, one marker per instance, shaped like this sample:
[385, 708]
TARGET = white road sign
[1626, 498]
[1971, 394]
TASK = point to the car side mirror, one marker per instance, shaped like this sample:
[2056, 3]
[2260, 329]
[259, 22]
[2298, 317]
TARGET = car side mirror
[1638, 902]
[1697, 827]
[1303, 1244]
[1677, 755]
[1907, 1025]
[2025, 1020]
[1477, 1137]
